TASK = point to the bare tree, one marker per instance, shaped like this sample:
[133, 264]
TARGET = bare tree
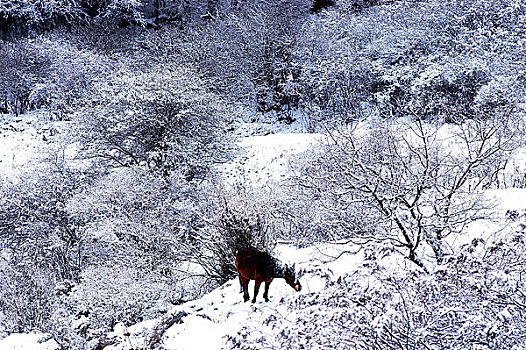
[231, 219]
[417, 183]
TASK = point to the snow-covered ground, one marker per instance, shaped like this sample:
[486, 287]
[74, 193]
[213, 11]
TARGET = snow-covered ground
[24, 141]
[30, 341]
[207, 323]
[218, 318]
[264, 159]
[20, 141]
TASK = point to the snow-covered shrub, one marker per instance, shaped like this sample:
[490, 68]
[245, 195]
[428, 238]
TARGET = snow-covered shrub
[135, 232]
[476, 299]
[335, 82]
[246, 53]
[110, 294]
[134, 218]
[502, 92]
[71, 80]
[20, 16]
[236, 218]
[39, 245]
[447, 93]
[430, 58]
[25, 65]
[26, 296]
[127, 9]
[43, 74]
[162, 119]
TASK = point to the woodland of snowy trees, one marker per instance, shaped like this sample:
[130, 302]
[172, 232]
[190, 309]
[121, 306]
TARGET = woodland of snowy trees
[421, 104]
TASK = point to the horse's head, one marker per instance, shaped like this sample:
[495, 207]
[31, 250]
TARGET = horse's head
[290, 277]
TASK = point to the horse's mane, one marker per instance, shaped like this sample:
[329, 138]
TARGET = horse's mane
[276, 266]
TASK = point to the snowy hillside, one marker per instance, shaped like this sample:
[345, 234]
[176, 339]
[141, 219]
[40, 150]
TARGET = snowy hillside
[337, 279]
[263, 160]
[380, 145]
[209, 322]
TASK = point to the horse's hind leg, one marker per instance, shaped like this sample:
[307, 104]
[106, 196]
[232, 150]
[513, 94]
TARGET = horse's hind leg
[265, 294]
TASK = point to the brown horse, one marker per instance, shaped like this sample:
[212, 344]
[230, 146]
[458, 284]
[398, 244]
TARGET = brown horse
[253, 264]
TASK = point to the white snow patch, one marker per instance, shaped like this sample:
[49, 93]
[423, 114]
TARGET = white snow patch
[16, 151]
[28, 341]
[22, 141]
[197, 332]
[508, 199]
[497, 223]
[264, 159]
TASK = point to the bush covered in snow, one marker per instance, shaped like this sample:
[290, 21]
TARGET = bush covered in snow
[413, 183]
[39, 245]
[163, 119]
[236, 218]
[475, 300]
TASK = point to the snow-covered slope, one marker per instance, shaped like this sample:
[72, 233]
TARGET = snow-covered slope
[209, 322]
[264, 159]
[220, 318]
[217, 319]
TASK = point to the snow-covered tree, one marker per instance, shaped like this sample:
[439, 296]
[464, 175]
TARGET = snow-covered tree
[162, 119]
[411, 183]
[246, 53]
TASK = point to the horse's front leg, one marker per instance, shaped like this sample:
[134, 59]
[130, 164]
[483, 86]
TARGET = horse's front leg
[265, 294]
[241, 289]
